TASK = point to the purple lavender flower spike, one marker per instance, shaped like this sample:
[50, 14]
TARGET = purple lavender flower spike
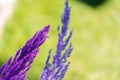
[16, 69]
[57, 69]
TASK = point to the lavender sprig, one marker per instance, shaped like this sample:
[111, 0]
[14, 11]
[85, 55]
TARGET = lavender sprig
[16, 69]
[57, 69]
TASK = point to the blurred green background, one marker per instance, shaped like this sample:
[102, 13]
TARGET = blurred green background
[96, 37]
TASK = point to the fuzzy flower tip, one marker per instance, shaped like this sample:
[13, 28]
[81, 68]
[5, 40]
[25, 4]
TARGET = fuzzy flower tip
[57, 69]
[16, 68]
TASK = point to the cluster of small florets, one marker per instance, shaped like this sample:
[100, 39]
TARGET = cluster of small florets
[16, 68]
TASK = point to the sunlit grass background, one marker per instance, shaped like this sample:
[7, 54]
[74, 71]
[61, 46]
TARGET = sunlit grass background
[96, 37]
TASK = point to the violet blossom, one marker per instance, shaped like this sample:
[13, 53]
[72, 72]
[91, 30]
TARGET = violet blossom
[16, 69]
[57, 69]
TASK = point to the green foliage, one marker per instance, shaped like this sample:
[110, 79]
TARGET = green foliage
[93, 3]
